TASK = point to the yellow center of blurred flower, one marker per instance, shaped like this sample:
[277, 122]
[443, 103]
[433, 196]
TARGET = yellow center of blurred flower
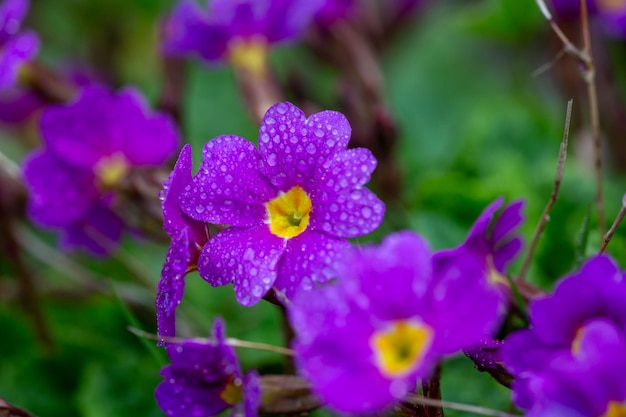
[288, 214]
[615, 409]
[232, 393]
[249, 55]
[111, 169]
[576, 342]
[493, 276]
[400, 347]
[612, 5]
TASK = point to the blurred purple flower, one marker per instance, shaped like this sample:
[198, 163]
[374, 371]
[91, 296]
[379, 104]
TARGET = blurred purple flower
[494, 242]
[17, 48]
[188, 238]
[389, 319]
[590, 383]
[292, 203]
[205, 379]
[595, 293]
[234, 29]
[91, 145]
[332, 11]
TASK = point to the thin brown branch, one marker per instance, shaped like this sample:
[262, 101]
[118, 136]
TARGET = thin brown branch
[609, 235]
[545, 216]
[474, 409]
[432, 390]
[585, 59]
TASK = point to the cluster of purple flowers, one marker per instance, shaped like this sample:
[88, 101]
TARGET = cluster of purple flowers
[90, 145]
[572, 361]
[388, 313]
[17, 47]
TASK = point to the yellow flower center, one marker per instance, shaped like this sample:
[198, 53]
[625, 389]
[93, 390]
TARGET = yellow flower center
[111, 169]
[494, 277]
[615, 409]
[575, 348]
[401, 346]
[288, 214]
[249, 55]
[233, 392]
[612, 5]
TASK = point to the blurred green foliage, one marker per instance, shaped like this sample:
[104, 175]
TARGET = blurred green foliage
[474, 123]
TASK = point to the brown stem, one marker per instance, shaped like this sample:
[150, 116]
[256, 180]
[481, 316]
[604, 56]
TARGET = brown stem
[171, 99]
[545, 216]
[432, 390]
[609, 235]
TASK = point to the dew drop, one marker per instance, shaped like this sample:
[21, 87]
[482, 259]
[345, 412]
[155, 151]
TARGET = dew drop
[271, 160]
[311, 149]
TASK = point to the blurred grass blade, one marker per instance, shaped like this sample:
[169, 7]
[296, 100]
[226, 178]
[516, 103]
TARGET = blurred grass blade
[580, 248]
[132, 321]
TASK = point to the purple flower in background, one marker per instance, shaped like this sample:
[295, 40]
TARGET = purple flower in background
[188, 238]
[332, 11]
[205, 379]
[389, 319]
[90, 146]
[570, 9]
[292, 203]
[590, 383]
[238, 30]
[494, 241]
[16, 48]
[595, 293]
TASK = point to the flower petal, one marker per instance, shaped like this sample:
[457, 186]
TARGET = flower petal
[99, 231]
[59, 194]
[293, 147]
[249, 257]
[309, 258]
[228, 189]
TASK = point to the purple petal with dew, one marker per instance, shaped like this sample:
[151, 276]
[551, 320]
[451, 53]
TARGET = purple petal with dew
[522, 351]
[249, 257]
[597, 290]
[344, 172]
[309, 258]
[58, 193]
[172, 284]
[394, 276]
[85, 130]
[228, 189]
[462, 307]
[174, 220]
[293, 147]
[99, 231]
[350, 215]
[15, 52]
[198, 374]
[187, 30]
[509, 220]
[143, 137]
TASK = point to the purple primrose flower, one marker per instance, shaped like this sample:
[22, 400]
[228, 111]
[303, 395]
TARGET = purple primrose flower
[364, 341]
[589, 383]
[238, 30]
[188, 238]
[560, 322]
[494, 241]
[292, 203]
[205, 379]
[15, 48]
[91, 144]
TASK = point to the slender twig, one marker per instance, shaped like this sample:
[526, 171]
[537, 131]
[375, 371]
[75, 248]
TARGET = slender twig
[585, 59]
[229, 341]
[594, 114]
[545, 216]
[475, 409]
[609, 235]
[545, 67]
